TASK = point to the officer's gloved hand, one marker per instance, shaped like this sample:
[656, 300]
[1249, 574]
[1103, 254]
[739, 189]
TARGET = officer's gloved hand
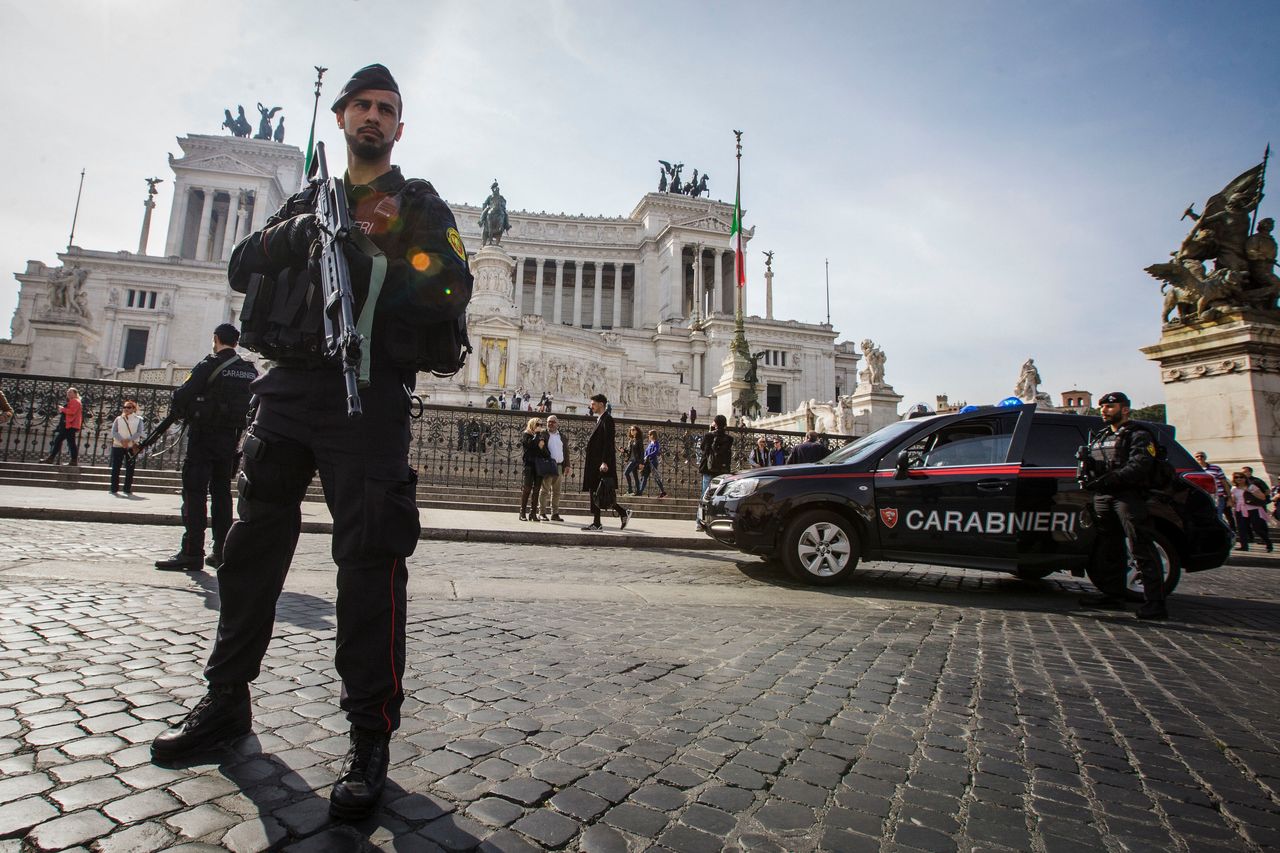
[288, 243]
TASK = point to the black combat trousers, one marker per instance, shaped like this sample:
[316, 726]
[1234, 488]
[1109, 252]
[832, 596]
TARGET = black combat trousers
[1125, 542]
[207, 471]
[370, 490]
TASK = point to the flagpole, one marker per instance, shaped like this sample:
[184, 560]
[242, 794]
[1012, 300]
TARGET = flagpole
[739, 343]
[72, 238]
[826, 262]
[315, 111]
[1262, 182]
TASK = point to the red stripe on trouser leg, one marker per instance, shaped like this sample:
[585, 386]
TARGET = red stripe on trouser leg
[391, 651]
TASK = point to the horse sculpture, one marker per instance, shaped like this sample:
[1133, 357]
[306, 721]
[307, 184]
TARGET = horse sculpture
[493, 218]
[239, 126]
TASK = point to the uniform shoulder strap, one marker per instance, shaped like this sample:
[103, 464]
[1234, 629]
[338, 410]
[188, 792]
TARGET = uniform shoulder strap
[217, 371]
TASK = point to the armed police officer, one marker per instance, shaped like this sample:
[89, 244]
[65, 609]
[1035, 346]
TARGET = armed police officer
[1120, 463]
[213, 403]
[409, 253]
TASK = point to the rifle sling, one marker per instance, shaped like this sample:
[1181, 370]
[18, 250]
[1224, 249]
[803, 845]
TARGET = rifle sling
[364, 323]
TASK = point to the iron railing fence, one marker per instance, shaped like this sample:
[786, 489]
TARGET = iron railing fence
[451, 446]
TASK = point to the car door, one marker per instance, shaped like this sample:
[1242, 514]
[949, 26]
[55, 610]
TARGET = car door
[947, 495]
[1055, 527]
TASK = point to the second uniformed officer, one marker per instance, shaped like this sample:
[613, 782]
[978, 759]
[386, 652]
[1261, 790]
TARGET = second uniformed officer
[213, 402]
[301, 427]
[1123, 460]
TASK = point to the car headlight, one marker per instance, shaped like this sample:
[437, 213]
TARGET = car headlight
[739, 489]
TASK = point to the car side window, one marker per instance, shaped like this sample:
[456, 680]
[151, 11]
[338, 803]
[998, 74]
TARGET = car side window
[971, 442]
[1053, 445]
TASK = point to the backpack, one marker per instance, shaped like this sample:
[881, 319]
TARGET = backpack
[1163, 475]
[224, 401]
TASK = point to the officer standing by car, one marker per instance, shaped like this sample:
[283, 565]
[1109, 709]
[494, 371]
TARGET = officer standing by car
[302, 426]
[1121, 462]
[213, 402]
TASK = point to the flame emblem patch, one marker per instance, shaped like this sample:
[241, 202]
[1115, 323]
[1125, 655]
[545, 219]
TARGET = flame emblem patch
[889, 517]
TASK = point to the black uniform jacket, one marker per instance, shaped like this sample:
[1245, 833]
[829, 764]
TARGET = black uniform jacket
[1132, 472]
[807, 451]
[184, 396]
[427, 279]
[600, 451]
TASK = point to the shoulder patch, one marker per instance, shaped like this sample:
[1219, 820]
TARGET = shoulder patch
[455, 240]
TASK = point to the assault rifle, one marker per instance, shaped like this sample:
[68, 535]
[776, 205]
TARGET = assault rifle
[340, 335]
[156, 432]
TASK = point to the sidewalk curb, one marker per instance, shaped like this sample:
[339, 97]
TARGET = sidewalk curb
[602, 539]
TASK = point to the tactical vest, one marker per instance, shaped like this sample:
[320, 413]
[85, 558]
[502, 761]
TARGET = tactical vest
[224, 401]
[282, 317]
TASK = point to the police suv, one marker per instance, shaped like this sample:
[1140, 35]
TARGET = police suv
[993, 488]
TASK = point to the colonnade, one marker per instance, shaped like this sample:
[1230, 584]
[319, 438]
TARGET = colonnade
[574, 318]
[240, 219]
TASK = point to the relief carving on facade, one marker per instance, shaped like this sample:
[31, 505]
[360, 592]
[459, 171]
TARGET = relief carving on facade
[572, 380]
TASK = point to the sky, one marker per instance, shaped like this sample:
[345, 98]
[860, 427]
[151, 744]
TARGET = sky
[987, 179]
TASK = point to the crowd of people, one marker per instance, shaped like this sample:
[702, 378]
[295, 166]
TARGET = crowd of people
[1243, 501]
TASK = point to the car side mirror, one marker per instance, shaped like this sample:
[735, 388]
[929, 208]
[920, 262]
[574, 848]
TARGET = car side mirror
[904, 462]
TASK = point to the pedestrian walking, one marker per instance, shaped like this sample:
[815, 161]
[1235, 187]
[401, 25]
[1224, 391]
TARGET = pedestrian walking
[126, 431]
[600, 466]
[652, 459]
[6, 411]
[635, 458]
[1250, 504]
[302, 427]
[70, 417]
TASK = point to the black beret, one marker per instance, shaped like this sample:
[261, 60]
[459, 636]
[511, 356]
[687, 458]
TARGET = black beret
[1115, 397]
[370, 77]
[228, 334]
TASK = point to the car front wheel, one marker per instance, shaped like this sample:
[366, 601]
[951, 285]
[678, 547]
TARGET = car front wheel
[1170, 567]
[820, 547]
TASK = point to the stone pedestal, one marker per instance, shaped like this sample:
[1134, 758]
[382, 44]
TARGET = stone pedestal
[61, 345]
[492, 294]
[879, 403]
[731, 385]
[1222, 389]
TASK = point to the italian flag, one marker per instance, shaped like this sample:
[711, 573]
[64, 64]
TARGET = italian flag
[735, 234]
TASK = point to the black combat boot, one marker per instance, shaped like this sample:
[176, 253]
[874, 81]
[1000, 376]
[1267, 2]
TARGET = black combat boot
[181, 562]
[222, 714]
[364, 774]
[214, 560]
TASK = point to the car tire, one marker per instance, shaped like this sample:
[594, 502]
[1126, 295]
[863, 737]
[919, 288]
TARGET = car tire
[1033, 574]
[1170, 564]
[820, 547]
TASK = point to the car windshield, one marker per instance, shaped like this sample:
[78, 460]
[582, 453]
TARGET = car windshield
[871, 445]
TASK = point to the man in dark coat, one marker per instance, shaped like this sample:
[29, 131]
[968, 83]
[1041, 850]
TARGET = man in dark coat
[809, 450]
[602, 464]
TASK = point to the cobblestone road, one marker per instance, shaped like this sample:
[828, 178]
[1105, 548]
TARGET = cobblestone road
[569, 698]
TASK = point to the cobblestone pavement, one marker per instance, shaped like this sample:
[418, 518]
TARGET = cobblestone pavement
[565, 698]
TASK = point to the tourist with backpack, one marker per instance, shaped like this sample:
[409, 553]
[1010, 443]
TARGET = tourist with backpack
[1124, 464]
[1249, 500]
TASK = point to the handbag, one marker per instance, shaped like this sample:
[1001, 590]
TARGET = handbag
[545, 466]
[607, 492]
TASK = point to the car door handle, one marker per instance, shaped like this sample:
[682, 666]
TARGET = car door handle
[992, 485]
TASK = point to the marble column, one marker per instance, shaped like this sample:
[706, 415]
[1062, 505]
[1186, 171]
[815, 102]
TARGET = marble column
[517, 295]
[178, 215]
[202, 235]
[242, 220]
[229, 230]
[537, 286]
[676, 296]
[557, 314]
[597, 296]
[577, 295]
[717, 299]
[699, 293]
[617, 295]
